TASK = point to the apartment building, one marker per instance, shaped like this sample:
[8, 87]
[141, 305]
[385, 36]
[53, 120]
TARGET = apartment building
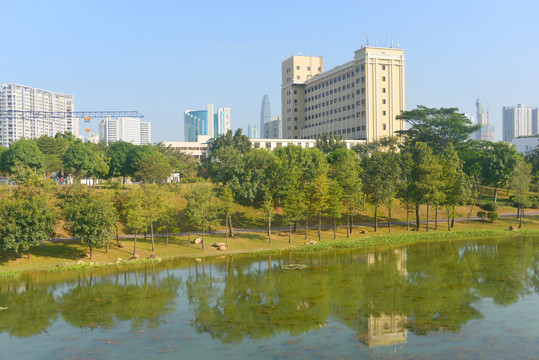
[357, 100]
[18, 117]
[519, 120]
[126, 129]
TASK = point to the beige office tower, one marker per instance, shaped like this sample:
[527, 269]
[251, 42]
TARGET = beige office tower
[359, 100]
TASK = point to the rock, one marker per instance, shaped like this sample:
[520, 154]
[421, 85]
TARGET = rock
[121, 245]
[364, 232]
[198, 259]
[197, 241]
[153, 256]
[306, 243]
[313, 242]
[80, 262]
[119, 260]
[512, 227]
[85, 254]
[223, 248]
[283, 234]
[217, 245]
[135, 257]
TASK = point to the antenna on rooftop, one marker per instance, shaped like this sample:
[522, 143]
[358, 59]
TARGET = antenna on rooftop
[367, 39]
[387, 41]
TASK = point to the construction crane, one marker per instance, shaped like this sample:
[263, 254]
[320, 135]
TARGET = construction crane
[86, 115]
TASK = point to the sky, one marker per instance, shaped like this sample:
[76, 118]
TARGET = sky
[162, 58]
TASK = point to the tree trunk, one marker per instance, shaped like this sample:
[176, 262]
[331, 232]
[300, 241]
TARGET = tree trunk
[436, 218]
[91, 252]
[226, 232]
[295, 226]
[351, 223]
[471, 209]
[117, 237]
[306, 225]
[453, 221]
[495, 194]
[389, 220]
[521, 213]
[347, 220]
[108, 246]
[319, 226]
[375, 217]
[427, 216]
[334, 229]
[407, 217]
[203, 230]
[417, 217]
[135, 246]
[166, 237]
[518, 211]
[151, 230]
[269, 229]
[230, 227]
[289, 233]
[448, 221]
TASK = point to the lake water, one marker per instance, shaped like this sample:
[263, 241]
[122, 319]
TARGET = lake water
[466, 299]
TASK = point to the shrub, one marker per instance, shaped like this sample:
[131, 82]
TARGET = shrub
[492, 216]
[490, 206]
[535, 205]
[482, 215]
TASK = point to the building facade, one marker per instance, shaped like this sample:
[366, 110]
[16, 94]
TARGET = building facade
[252, 131]
[519, 121]
[357, 100]
[126, 129]
[206, 123]
[265, 112]
[526, 145]
[14, 97]
[487, 131]
[273, 129]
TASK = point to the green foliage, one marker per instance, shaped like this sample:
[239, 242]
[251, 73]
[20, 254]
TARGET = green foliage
[490, 206]
[330, 143]
[482, 215]
[202, 209]
[137, 153]
[90, 217]
[135, 211]
[79, 160]
[22, 154]
[153, 169]
[498, 164]
[117, 155]
[520, 182]
[492, 216]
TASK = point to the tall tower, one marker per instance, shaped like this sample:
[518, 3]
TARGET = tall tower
[487, 131]
[265, 112]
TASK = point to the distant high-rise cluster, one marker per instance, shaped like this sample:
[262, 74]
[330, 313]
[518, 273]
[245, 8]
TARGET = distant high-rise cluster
[487, 131]
[252, 131]
[206, 122]
[519, 121]
[357, 100]
[18, 104]
[265, 113]
[273, 129]
[126, 129]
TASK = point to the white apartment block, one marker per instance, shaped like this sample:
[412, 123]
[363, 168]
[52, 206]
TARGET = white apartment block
[20, 98]
[519, 121]
[126, 129]
[357, 100]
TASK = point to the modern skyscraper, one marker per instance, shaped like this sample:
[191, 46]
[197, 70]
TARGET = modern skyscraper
[265, 112]
[273, 129]
[126, 129]
[357, 100]
[205, 122]
[519, 121]
[252, 131]
[487, 131]
[14, 97]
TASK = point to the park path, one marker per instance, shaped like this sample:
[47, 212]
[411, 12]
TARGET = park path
[313, 227]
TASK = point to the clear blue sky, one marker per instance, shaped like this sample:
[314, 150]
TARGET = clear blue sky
[164, 57]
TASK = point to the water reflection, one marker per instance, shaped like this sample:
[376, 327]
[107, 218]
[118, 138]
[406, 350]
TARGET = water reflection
[380, 295]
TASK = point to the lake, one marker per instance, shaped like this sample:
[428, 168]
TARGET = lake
[440, 300]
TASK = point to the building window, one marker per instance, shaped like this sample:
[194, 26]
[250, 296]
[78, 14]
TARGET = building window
[308, 68]
[383, 90]
[319, 69]
[295, 109]
[383, 101]
[298, 77]
[383, 78]
[383, 113]
[383, 67]
[297, 67]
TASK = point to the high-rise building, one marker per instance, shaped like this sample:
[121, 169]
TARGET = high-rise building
[126, 129]
[487, 131]
[252, 131]
[14, 97]
[518, 121]
[205, 122]
[357, 100]
[265, 112]
[273, 129]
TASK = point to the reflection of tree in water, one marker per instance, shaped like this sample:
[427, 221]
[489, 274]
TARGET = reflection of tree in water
[379, 295]
[104, 301]
[29, 312]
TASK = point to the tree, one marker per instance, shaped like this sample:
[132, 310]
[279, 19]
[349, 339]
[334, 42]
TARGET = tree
[53, 149]
[133, 158]
[267, 206]
[89, 217]
[153, 168]
[294, 207]
[227, 199]
[318, 193]
[135, 213]
[499, 163]
[335, 204]
[22, 154]
[436, 127]
[79, 160]
[153, 199]
[201, 207]
[117, 155]
[520, 183]
[329, 143]
[168, 221]
[26, 218]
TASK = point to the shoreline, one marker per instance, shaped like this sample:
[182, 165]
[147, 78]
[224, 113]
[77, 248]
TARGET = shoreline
[370, 241]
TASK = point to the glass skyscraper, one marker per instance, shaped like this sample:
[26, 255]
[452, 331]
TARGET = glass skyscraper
[205, 122]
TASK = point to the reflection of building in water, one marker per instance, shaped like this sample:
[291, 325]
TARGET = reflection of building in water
[383, 330]
[400, 259]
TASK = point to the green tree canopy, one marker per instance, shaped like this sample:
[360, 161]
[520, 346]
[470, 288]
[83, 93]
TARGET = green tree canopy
[22, 153]
[79, 160]
[117, 155]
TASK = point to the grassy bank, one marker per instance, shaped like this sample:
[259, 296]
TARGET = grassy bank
[62, 255]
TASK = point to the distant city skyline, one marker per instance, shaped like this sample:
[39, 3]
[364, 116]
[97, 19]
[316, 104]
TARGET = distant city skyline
[168, 63]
